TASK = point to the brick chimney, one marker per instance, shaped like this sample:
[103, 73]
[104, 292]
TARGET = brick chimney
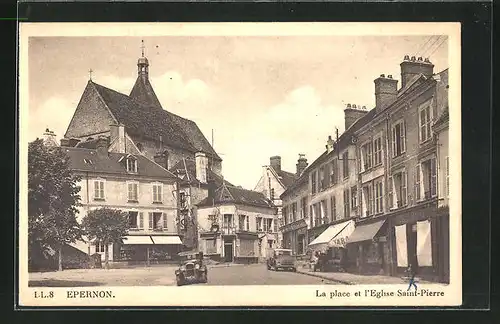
[352, 113]
[201, 162]
[117, 133]
[161, 158]
[301, 164]
[275, 162]
[211, 190]
[410, 67]
[102, 146]
[386, 91]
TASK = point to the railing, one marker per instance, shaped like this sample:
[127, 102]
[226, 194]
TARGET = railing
[228, 229]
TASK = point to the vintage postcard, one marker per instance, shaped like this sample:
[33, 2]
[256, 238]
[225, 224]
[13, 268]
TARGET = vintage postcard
[239, 164]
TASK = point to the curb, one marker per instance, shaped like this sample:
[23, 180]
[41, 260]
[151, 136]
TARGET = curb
[314, 274]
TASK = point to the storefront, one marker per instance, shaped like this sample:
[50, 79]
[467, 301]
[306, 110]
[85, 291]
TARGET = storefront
[147, 248]
[295, 237]
[368, 249]
[331, 244]
[420, 242]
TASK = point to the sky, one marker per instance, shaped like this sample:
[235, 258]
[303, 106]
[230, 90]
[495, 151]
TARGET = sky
[261, 95]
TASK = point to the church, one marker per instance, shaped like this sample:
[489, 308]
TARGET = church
[138, 124]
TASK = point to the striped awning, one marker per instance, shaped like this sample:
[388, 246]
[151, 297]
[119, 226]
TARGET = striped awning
[168, 240]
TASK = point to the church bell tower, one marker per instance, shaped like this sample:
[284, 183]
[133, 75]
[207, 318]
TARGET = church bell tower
[143, 65]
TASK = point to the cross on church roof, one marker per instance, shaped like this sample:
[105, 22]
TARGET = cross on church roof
[142, 47]
[90, 74]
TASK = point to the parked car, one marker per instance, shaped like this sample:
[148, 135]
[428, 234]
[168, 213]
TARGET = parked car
[191, 269]
[281, 259]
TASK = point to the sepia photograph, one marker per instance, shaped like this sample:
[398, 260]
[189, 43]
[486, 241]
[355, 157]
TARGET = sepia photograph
[233, 164]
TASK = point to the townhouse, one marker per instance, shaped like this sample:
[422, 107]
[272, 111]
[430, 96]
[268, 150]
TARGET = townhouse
[236, 225]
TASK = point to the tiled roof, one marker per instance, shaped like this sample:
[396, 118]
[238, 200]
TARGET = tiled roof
[286, 178]
[143, 92]
[186, 169]
[153, 122]
[236, 195]
[82, 159]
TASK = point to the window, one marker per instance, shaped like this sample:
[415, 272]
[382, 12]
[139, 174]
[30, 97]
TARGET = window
[333, 172]
[228, 221]
[345, 164]
[294, 212]
[99, 189]
[313, 182]
[284, 213]
[417, 182]
[268, 225]
[347, 211]
[379, 194]
[303, 205]
[157, 193]
[377, 151]
[428, 181]
[447, 172]
[275, 223]
[317, 214]
[398, 193]
[258, 224]
[333, 205]
[425, 118]
[156, 221]
[272, 194]
[366, 156]
[132, 220]
[182, 198]
[368, 199]
[99, 247]
[133, 191]
[131, 165]
[354, 198]
[324, 211]
[322, 178]
[398, 139]
[244, 223]
[211, 246]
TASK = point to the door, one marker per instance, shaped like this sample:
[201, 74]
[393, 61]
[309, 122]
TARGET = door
[228, 251]
[412, 246]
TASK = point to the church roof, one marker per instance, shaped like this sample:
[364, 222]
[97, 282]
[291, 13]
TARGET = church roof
[88, 160]
[143, 92]
[154, 122]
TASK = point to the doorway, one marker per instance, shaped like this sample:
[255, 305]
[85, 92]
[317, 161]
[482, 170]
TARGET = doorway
[228, 251]
[412, 246]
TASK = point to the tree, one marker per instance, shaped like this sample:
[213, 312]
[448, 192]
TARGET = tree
[52, 200]
[106, 226]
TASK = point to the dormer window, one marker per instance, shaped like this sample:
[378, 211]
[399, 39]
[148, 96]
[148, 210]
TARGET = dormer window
[87, 161]
[131, 164]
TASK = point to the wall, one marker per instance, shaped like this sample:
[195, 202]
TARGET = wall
[442, 154]
[91, 116]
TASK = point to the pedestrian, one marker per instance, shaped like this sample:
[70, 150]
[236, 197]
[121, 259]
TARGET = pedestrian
[314, 260]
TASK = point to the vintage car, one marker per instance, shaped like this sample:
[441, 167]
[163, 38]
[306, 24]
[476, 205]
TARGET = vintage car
[281, 259]
[191, 269]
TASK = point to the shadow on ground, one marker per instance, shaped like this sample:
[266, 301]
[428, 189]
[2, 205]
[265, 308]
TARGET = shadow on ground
[61, 283]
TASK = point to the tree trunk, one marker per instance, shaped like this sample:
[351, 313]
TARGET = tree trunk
[60, 258]
[106, 256]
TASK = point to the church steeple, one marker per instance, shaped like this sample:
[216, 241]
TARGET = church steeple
[143, 64]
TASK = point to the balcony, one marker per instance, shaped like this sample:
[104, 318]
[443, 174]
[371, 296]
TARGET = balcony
[228, 229]
[148, 230]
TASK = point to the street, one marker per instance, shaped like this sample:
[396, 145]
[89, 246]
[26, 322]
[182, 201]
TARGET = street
[255, 274]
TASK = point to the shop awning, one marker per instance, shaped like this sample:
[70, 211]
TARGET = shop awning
[137, 239]
[169, 240]
[333, 236]
[365, 232]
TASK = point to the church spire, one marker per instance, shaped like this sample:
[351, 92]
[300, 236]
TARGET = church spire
[143, 64]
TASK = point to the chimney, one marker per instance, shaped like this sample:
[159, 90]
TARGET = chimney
[275, 162]
[329, 144]
[386, 91]
[102, 146]
[49, 138]
[414, 66]
[211, 190]
[117, 132]
[201, 162]
[353, 113]
[301, 164]
[161, 159]
[64, 141]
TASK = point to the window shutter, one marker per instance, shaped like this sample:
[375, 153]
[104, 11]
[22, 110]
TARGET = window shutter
[141, 220]
[417, 182]
[447, 176]
[96, 189]
[102, 188]
[391, 192]
[403, 137]
[159, 191]
[404, 194]
[154, 193]
[393, 140]
[433, 177]
[150, 218]
[165, 221]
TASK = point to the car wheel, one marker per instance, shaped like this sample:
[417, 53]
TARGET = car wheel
[294, 269]
[179, 282]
